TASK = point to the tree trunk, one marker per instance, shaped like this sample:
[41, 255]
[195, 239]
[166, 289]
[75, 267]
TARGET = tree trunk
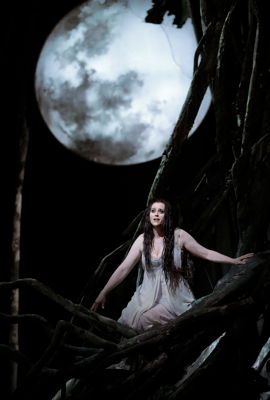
[16, 242]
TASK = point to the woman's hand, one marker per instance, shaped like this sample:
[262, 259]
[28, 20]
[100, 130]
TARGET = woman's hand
[99, 302]
[242, 259]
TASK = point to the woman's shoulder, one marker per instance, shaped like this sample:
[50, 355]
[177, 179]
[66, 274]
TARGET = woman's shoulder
[180, 235]
[139, 239]
[137, 245]
[178, 232]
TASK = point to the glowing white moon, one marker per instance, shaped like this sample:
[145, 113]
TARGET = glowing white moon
[110, 86]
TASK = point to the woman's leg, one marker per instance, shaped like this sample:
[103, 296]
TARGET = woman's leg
[156, 316]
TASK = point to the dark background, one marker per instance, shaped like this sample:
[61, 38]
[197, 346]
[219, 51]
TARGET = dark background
[74, 211]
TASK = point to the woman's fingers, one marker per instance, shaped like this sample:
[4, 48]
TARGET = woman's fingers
[94, 306]
[243, 259]
[245, 256]
[248, 255]
[97, 304]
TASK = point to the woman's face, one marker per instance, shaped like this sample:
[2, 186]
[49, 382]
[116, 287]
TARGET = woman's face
[157, 214]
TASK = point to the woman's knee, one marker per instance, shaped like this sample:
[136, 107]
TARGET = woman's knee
[145, 322]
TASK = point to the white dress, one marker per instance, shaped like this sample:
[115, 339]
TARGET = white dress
[153, 303]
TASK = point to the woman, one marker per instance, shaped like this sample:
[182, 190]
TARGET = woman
[164, 292]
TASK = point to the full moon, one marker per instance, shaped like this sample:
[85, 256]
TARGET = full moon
[110, 86]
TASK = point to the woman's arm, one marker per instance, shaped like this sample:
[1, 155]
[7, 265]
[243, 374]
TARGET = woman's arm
[196, 249]
[120, 273]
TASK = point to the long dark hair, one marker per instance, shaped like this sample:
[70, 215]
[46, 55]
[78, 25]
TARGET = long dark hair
[172, 274]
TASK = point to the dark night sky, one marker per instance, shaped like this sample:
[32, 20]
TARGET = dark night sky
[74, 211]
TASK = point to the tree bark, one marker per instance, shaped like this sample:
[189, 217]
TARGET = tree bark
[16, 241]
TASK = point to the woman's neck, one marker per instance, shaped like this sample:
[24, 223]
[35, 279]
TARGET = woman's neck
[158, 233]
